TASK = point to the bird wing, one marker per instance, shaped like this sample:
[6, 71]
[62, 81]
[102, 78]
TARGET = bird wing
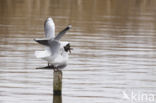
[49, 28]
[54, 47]
[62, 33]
[43, 41]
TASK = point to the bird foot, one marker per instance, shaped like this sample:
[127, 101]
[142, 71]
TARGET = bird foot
[56, 69]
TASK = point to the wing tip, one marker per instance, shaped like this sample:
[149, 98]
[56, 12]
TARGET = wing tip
[35, 39]
[69, 26]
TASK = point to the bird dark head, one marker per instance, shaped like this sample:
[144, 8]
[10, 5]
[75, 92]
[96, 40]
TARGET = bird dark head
[68, 48]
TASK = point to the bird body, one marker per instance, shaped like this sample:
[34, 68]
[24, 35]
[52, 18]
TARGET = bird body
[56, 52]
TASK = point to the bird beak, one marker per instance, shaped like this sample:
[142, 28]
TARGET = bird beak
[70, 50]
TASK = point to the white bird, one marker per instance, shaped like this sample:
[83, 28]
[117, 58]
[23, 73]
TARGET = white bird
[56, 52]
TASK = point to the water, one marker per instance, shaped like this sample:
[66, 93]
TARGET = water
[114, 50]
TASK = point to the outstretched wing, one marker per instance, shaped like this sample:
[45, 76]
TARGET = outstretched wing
[49, 28]
[43, 41]
[62, 33]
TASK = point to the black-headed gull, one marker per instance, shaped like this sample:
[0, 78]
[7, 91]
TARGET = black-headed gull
[56, 52]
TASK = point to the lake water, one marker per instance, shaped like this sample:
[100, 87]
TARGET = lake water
[114, 52]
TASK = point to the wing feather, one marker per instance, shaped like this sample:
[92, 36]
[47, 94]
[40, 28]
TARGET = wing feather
[62, 33]
[43, 41]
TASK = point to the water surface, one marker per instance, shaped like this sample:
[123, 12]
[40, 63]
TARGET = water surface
[114, 50]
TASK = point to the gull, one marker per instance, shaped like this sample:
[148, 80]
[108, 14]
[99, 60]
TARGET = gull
[56, 52]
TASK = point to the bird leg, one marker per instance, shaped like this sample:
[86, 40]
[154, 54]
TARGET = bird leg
[55, 68]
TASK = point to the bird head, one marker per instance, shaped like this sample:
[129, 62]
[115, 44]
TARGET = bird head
[68, 48]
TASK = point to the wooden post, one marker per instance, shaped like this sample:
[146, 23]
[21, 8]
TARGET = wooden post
[57, 98]
[57, 83]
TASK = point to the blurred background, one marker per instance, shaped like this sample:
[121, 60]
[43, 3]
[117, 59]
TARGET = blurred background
[114, 50]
